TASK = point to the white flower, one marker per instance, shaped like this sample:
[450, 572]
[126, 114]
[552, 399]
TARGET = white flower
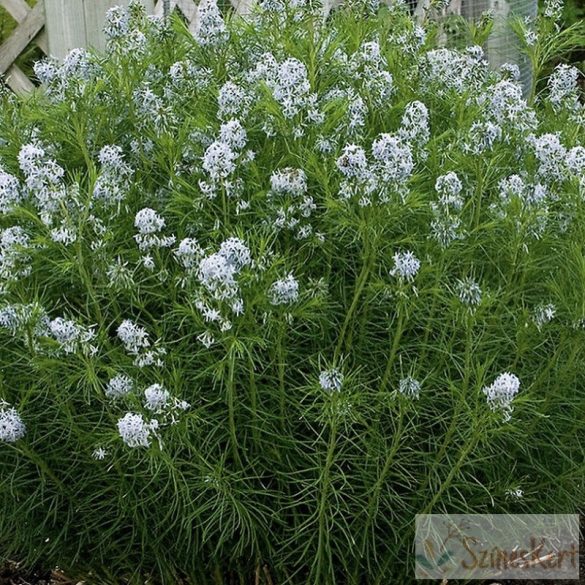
[406, 265]
[468, 291]
[233, 100]
[99, 454]
[64, 235]
[71, 335]
[563, 87]
[449, 188]
[233, 134]
[116, 23]
[284, 291]
[135, 431]
[409, 387]
[530, 37]
[505, 106]
[10, 194]
[353, 162]
[47, 70]
[551, 155]
[553, 9]
[189, 252]
[290, 86]
[544, 314]
[119, 275]
[356, 111]
[218, 276]
[288, 181]
[77, 64]
[33, 317]
[14, 260]
[210, 30]
[113, 182]
[331, 380]
[511, 71]
[501, 393]
[206, 339]
[512, 187]
[134, 337]
[219, 160]
[445, 228]
[156, 397]
[148, 262]
[394, 156]
[576, 160]
[187, 78]
[482, 137]
[324, 144]
[150, 357]
[447, 70]
[446, 224]
[11, 426]
[111, 157]
[44, 180]
[236, 253]
[118, 386]
[415, 124]
[148, 221]
[218, 271]
[514, 493]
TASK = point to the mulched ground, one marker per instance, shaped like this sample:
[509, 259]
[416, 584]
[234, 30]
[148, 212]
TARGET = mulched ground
[12, 574]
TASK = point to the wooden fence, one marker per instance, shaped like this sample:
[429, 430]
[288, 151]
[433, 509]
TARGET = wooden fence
[57, 26]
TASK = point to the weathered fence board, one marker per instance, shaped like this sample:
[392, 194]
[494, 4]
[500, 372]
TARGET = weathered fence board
[65, 26]
[17, 80]
[24, 33]
[79, 23]
[18, 9]
[57, 26]
[14, 77]
[188, 9]
[95, 12]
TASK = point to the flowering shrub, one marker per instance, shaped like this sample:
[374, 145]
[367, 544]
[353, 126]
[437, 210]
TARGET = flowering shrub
[271, 289]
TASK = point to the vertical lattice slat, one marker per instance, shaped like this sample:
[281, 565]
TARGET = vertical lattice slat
[65, 26]
[79, 23]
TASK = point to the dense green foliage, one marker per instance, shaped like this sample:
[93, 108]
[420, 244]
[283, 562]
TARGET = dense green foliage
[411, 244]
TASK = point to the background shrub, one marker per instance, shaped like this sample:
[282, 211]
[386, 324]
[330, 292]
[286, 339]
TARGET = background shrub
[271, 290]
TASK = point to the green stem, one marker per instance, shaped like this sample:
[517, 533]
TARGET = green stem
[367, 261]
[254, 402]
[454, 470]
[393, 349]
[463, 396]
[280, 356]
[373, 502]
[224, 204]
[478, 196]
[458, 407]
[429, 327]
[322, 548]
[41, 464]
[231, 400]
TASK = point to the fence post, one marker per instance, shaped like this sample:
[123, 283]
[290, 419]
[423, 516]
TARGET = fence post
[78, 23]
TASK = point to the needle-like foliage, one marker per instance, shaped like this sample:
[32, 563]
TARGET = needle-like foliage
[270, 289]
